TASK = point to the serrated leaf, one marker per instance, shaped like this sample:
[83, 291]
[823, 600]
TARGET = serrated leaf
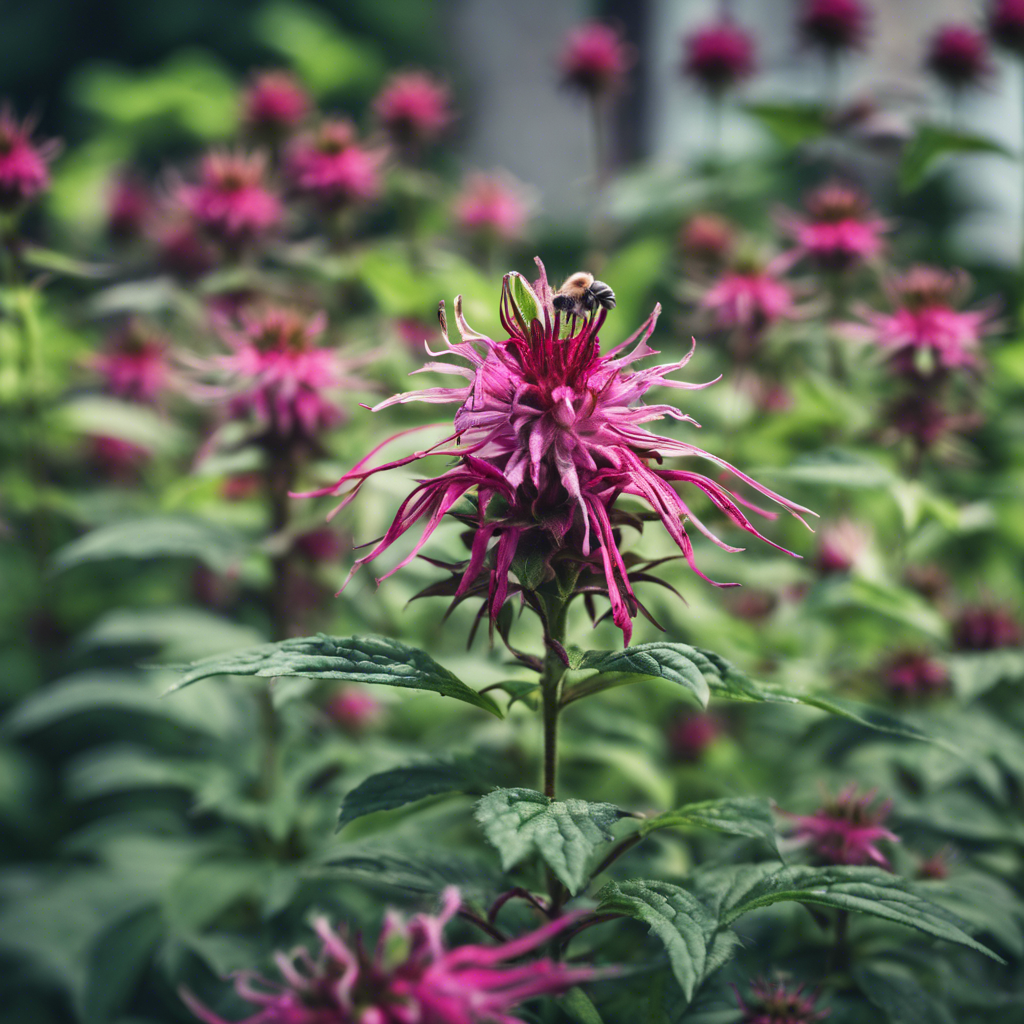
[738, 816]
[216, 546]
[860, 889]
[675, 916]
[931, 144]
[369, 659]
[521, 822]
[899, 996]
[400, 786]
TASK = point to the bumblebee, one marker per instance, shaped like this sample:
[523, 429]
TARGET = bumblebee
[580, 294]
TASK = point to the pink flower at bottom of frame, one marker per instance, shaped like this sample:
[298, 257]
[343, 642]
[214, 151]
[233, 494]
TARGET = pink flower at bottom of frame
[772, 1002]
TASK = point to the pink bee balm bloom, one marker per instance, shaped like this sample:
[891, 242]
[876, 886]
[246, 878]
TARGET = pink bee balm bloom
[117, 458]
[719, 56]
[926, 333]
[985, 628]
[232, 202]
[913, 675]
[749, 299]
[834, 25]
[839, 231]
[409, 978]
[414, 108]
[23, 171]
[274, 102]
[129, 206]
[959, 56]
[279, 376]
[707, 237]
[1006, 25]
[134, 364]
[182, 249]
[691, 735]
[354, 709]
[595, 58]
[549, 434]
[846, 830]
[329, 166]
[842, 545]
[770, 1002]
[492, 205]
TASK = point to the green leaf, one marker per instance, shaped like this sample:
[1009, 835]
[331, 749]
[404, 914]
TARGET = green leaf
[833, 467]
[899, 996]
[864, 890]
[688, 667]
[891, 602]
[975, 674]
[931, 144]
[216, 546]
[675, 916]
[520, 822]
[115, 964]
[102, 416]
[577, 1006]
[400, 786]
[792, 124]
[737, 816]
[357, 659]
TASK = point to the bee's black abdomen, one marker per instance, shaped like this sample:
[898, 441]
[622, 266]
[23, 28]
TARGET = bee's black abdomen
[602, 295]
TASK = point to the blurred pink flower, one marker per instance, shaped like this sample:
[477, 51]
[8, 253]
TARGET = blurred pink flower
[23, 171]
[409, 978]
[926, 333]
[839, 230]
[278, 375]
[842, 545]
[330, 166]
[413, 108]
[771, 1002]
[959, 56]
[354, 709]
[320, 545]
[749, 298]
[134, 364]
[846, 830]
[834, 25]
[182, 249]
[1006, 25]
[116, 458]
[274, 102]
[914, 675]
[595, 58]
[986, 628]
[707, 237]
[129, 207]
[690, 735]
[719, 56]
[551, 433]
[232, 202]
[493, 205]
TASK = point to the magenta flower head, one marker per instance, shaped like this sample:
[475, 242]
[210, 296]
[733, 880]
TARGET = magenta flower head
[959, 56]
[413, 108]
[492, 206]
[846, 830]
[595, 59]
[690, 735]
[354, 709]
[771, 1002]
[549, 433]
[278, 376]
[749, 297]
[913, 675]
[330, 167]
[274, 103]
[986, 628]
[842, 545]
[707, 238]
[181, 247]
[839, 230]
[926, 334]
[232, 202]
[834, 25]
[129, 207]
[24, 174]
[719, 56]
[134, 363]
[1006, 25]
[409, 978]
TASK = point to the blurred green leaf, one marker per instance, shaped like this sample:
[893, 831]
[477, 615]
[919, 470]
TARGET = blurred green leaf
[931, 144]
[356, 659]
[102, 416]
[738, 816]
[792, 124]
[521, 822]
[833, 467]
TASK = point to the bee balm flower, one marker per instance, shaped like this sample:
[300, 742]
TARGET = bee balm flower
[719, 56]
[1006, 25]
[331, 167]
[23, 171]
[834, 25]
[274, 102]
[839, 231]
[409, 978]
[773, 1003]
[594, 59]
[413, 108]
[959, 56]
[491, 205]
[134, 364]
[985, 628]
[549, 433]
[913, 675]
[846, 830]
[750, 297]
